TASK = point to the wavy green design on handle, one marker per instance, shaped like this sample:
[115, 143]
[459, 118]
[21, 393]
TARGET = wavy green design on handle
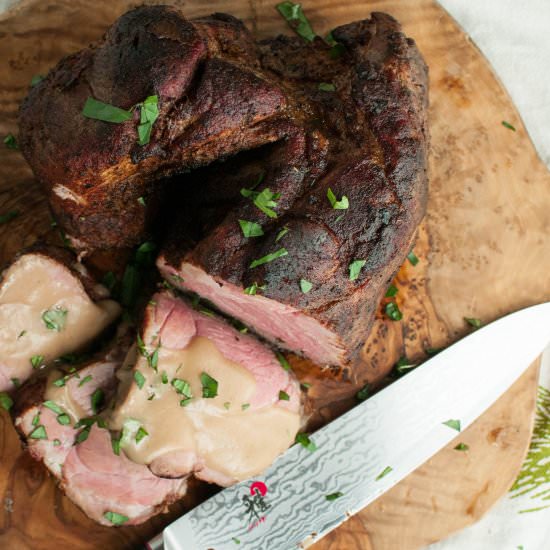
[534, 478]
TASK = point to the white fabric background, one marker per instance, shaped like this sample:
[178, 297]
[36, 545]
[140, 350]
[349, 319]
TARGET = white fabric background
[514, 35]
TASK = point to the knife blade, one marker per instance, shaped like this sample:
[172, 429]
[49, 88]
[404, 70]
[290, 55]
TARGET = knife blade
[366, 451]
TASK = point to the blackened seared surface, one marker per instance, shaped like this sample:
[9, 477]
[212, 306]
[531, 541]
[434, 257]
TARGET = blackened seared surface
[374, 151]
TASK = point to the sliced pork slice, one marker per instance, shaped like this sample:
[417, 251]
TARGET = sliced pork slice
[203, 398]
[108, 487]
[49, 306]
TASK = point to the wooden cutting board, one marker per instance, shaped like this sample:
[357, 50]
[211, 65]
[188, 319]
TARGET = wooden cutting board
[481, 248]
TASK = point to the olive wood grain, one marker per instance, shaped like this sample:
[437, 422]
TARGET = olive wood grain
[482, 251]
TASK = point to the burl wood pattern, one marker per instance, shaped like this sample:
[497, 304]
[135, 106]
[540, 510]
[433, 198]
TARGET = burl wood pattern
[482, 253]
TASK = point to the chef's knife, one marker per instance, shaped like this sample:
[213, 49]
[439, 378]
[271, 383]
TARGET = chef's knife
[305, 494]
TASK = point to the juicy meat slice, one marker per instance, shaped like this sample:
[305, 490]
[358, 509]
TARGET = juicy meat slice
[89, 472]
[49, 306]
[376, 127]
[248, 414]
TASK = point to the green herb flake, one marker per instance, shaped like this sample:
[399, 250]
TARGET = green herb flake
[363, 393]
[36, 361]
[245, 406]
[266, 200]
[337, 51]
[305, 385]
[476, 323]
[508, 125]
[63, 419]
[392, 291]
[384, 473]
[129, 286]
[141, 433]
[411, 256]
[251, 229]
[326, 87]
[393, 311]
[55, 319]
[141, 201]
[96, 399]
[56, 442]
[182, 387]
[282, 360]
[185, 402]
[209, 386]
[39, 433]
[269, 257]
[462, 447]
[85, 380]
[36, 419]
[342, 204]
[16, 382]
[305, 441]
[355, 268]
[404, 365]
[115, 519]
[115, 444]
[5, 218]
[227, 405]
[253, 289]
[149, 113]
[294, 16]
[103, 111]
[10, 142]
[281, 234]
[164, 377]
[453, 423]
[283, 396]
[6, 402]
[433, 351]
[82, 436]
[305, 286]
[53, 406]
[334, 496]
[139, 379]
[36, 79]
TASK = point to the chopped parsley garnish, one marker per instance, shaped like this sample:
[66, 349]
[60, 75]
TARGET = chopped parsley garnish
[236, 540]
[363, 393]
[411, 256]
[461, 447]
[6, 402]
[305, 385]
[85, 380]
[182, 387]
[139, 379]
[39, 433]
[5, 218]
[453, 424]
[115, 519]
[342, 204]
[334, 496]
[392, 291]
[209, 386]
[294, 16]
[253, 289]
[152, 358]
[283, 396]
[305, 286]
[281, 234]
[226, 405]
[305, 441]
[149, 113]
[384, 473]
[336, 49]
[393, 311]
[21, 334]
[145, 253]
[245, 406]
[326, 87]
[264, 200]
[55, 319]
[36, 419]
[269, 257]
[96, 399]
[56, 442]
[284, 363]
[115, 444]
[63, 419]
[16, 382]
[130, 285]
[141, 433]
[476, 323]
[103, 111]
[355, 268]
[508, 125]
[83, 435]
[251, 229]
[404, 365]
[164, 377]
[433, 351]
[53, 406]
[141, 201]
[10, 142]
[36, 361]
[36, 79]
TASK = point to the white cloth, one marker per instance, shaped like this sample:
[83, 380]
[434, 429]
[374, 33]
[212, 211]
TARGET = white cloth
[514, 36]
